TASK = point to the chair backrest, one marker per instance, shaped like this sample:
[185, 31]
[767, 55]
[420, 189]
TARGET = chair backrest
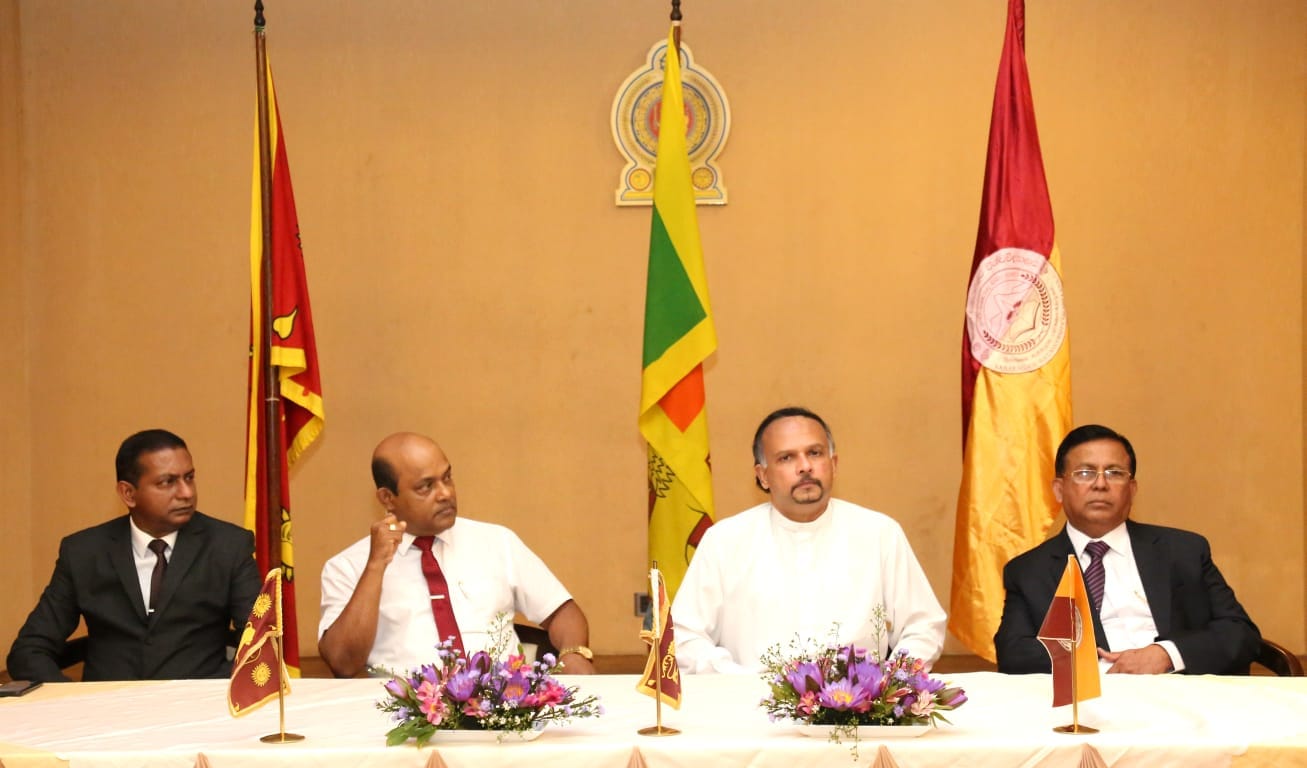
[1278, 659]
[535, 637]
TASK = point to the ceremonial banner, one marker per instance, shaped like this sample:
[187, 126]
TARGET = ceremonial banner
[1068, 635]
[295, 354]
[257, 671]
[1016, 367]
[678, 337]
[661, 676]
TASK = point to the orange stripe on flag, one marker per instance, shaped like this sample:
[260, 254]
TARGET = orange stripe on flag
[684, 401]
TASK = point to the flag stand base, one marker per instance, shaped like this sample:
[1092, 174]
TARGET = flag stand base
[1075, 729]
[281, 738]
[657, 730]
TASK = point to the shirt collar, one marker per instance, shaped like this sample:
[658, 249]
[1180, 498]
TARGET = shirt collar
[445, 538]
[141, 540]
[1118, 539]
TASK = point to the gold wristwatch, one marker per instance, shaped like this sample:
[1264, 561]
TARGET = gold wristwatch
[579, 650]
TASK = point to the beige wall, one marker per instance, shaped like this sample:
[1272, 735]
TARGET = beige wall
[17, 515]
[471, 277]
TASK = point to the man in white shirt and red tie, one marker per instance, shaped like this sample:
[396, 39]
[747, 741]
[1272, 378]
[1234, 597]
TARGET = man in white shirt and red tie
[1159, 602]
[423, 575]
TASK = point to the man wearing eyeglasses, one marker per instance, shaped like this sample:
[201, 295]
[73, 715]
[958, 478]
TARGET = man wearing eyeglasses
[1159, 603]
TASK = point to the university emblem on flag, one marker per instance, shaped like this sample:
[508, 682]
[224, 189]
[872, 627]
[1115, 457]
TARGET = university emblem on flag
[1015, 315]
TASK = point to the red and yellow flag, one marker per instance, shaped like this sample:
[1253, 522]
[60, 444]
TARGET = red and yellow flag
[1016, 365]
[678, 337]
[662, 677]
[1068, 635]
[295, 355]
[257, 672]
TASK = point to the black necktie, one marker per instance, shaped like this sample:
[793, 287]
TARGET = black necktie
[157, 546]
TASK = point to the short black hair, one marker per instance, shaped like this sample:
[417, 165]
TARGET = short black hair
[1087, 434]
[127, 464]
[785, 413]
[383, 474]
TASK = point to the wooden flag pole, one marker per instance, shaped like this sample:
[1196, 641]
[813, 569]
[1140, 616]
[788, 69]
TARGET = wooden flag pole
[271, 393]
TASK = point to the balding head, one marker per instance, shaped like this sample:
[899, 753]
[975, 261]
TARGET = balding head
[385, 457]
[415, 482]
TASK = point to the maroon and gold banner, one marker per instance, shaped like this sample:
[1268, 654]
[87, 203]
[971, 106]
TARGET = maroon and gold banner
[258, 672]
[294, 353]
[1068, 635]
[1016, 360]
[661, 674]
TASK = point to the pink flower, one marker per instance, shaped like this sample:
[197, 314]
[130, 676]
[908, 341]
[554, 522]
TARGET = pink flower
[550, 692]
[431, 703]
[923, 706]
[808, 703]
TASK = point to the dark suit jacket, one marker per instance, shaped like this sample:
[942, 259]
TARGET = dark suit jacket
[1192, 605]
[209, 587]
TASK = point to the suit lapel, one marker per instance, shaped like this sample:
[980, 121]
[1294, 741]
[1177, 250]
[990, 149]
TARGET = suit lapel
[191, 540]
[1150, 559]
[123, 561]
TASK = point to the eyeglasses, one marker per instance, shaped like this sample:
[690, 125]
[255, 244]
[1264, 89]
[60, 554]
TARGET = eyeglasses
[1113, 476]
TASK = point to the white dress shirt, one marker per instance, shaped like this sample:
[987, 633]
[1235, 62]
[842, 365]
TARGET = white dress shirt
[489, 570]
[1125, 614]
[145, 557]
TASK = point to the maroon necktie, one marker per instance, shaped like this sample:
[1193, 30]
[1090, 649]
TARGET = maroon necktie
[446, 625]
[156, 576]
[1094, 576]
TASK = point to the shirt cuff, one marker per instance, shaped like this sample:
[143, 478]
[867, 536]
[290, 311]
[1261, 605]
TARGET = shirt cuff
[1177, 662]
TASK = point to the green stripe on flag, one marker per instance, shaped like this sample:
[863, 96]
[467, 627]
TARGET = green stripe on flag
[671, 306]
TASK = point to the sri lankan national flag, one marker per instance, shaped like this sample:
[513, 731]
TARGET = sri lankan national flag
[678, 337]
[1016, 369]
[1068, 635]
[662, 677]
[257, 671]
[295, 355]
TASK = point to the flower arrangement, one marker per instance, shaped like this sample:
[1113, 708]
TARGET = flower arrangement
[845, 686]
[480, 692]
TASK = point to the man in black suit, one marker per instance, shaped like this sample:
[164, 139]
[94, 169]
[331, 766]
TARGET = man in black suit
[160, 588]
[1165, 606]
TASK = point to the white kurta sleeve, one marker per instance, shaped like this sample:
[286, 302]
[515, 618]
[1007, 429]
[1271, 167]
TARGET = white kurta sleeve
[917, 621]
[696, 613]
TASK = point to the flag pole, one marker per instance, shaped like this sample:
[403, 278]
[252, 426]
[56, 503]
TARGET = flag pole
[655, 657]
[1077, 638]
[676, 25]
[281, 737]
[272, 399]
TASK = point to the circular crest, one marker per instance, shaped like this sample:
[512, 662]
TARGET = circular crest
[1015, 318]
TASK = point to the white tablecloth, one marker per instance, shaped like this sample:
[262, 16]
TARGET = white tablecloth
[1144, 721]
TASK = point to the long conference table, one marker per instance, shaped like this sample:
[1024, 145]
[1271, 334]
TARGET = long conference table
[1169, 720]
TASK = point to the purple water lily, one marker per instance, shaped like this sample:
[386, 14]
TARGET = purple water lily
[843, 696]
[804, 676]
[462, 684]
